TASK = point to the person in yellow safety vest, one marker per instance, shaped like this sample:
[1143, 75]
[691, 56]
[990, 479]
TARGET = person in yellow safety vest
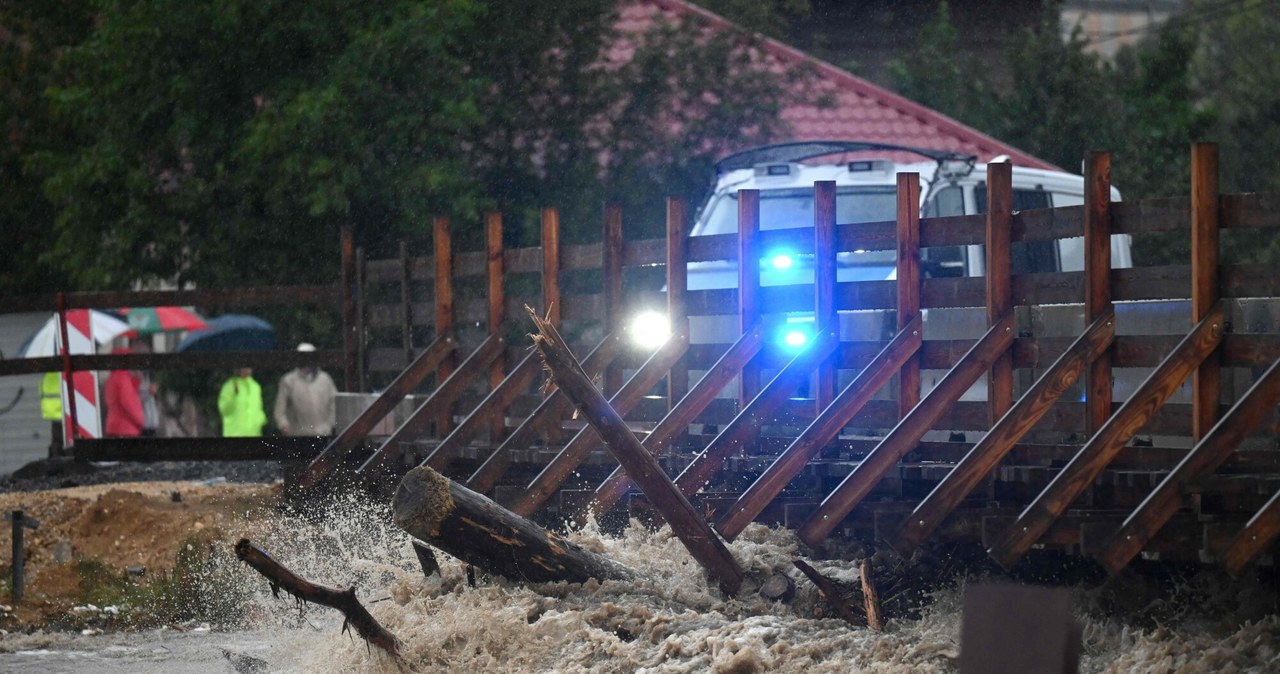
[51, 409]
[240, 404]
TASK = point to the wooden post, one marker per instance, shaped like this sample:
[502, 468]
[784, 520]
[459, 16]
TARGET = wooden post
[348, 309]
[551, 289]
[748, 285]
[1081, 471]
[72, 431]
[693, 531]
[999, 280]
[443, 253]
[406, 303]
[677, 282]
[908, 264]
[362, 345]
[480, 532]
[1097, 282]
[612, 271]
[20, 522]
[1206, 380]
[497, 300]
[824, 282]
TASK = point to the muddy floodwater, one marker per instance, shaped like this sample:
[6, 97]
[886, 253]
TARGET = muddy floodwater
[671, 620]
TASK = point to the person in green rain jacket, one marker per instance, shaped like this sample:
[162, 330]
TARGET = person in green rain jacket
[240, 404]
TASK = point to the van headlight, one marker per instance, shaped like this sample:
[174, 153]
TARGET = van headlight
[650, 329]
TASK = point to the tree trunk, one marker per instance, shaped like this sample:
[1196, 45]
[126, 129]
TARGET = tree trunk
[478, 531]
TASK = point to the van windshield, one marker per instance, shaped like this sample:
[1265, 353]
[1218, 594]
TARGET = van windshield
[793, 208]
[784, 209]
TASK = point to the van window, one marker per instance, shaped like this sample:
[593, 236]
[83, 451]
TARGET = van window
[1029, 257]
[788, 208]
[944, 261]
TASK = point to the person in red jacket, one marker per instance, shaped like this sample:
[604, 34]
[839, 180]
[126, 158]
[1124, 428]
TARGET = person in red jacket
[124, 405]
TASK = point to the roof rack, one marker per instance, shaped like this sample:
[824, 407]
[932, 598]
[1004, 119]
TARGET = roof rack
[796, 151]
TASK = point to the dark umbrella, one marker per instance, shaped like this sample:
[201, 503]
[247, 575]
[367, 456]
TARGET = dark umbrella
[232, 332]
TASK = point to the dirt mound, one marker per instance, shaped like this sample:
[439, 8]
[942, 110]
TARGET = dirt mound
[139, 525]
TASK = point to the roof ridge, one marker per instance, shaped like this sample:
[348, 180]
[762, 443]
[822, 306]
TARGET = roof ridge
[864, 87]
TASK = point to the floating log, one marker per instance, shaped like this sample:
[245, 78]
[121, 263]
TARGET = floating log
[870, 597]
[482, 533]
[643, 468]
[353, 612]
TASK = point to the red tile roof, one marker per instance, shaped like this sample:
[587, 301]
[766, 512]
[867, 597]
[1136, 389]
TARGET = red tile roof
[862, 110]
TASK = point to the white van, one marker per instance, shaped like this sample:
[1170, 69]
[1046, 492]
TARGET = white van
[865, 175]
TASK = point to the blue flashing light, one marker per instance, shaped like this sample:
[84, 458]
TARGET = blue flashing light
[794, 337]
[781, 260]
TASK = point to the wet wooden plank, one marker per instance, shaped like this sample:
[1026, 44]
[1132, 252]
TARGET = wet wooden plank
[1097, 282]
[999, 275]
[1206, 381]
[908, 261]
[1258, 534]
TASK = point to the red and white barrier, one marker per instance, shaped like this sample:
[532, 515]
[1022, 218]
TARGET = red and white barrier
[86, 420]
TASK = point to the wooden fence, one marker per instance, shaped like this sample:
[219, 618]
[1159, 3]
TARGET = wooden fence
[842, 437]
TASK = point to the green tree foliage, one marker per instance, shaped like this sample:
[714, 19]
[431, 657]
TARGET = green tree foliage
[32, 35]
[227, 143]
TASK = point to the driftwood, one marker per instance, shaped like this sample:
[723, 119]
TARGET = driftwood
[869, 616]
[642, 467]
[354, 614]
[478, 531]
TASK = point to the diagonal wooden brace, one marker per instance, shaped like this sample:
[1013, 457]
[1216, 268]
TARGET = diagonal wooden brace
[986, 455]
[1084, 468]
[857, 484]
[823, 429]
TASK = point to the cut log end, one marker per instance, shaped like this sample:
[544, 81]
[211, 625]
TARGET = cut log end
[432, 499]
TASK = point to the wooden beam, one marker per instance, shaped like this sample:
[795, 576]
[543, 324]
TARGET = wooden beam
[551, 264]
[677, 284]
[1211, 451]
[1097, 281]
[677, 421]
[907, 433]
[823, 429]
[693, 531]
[908, 286]
[1107, 442]
[999, 278]
[738, 432]
[1206, 380]
[437, 403]
[748, 284]
[355, 433]
[550, 410]
[572, 454]
[488, 412]
[1258, 534]
[824, 281]
[443, 253]
[1022, 417]
[496, 295]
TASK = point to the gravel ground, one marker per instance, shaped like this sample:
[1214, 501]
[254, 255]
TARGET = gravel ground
[57, 474]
